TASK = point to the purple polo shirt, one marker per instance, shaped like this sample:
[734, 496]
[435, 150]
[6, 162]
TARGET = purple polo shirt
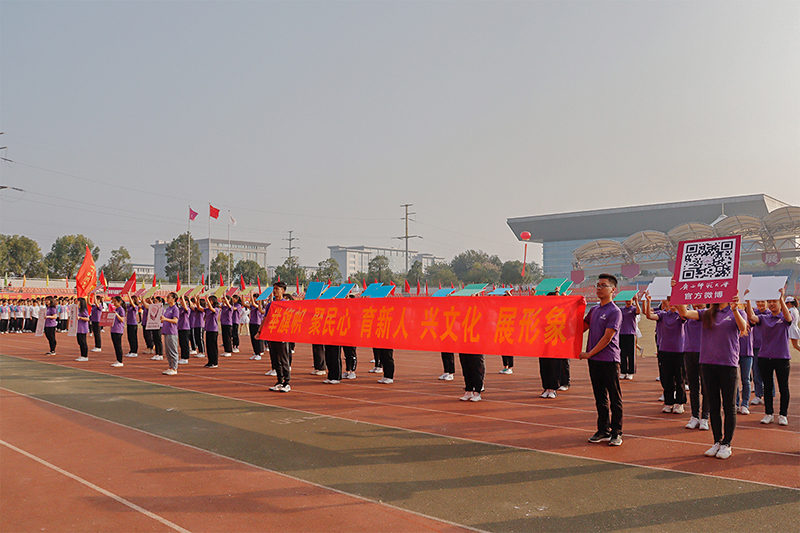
[168, 328]
[601, 318]
[211, 320]
[693, 331]
[255, 315]
[236, 316]
[720, 344]
[50, 322]
[225, 316]
[132, 315]
[774, 336]
[96, 310]
[183, 319]
[746, 342]
[671, 337]
[119, 325]
[756, 332]
[196, 319]
[83, 326]
[628, 326]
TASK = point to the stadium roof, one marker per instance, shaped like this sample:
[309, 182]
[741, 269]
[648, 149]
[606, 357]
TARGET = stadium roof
[666, 217]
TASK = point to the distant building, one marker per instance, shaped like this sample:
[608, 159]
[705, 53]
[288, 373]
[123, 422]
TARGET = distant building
[143, 270]
[241, 250]
[354, 259]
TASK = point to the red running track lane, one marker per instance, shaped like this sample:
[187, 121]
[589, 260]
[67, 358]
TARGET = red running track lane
[121, 479]
[511, 413]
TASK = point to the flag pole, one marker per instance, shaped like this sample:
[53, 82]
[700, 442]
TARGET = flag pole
[229, 245]
[189, 250]
[209, 245]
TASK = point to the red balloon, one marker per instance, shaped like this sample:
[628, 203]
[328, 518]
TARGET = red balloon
[525, 235]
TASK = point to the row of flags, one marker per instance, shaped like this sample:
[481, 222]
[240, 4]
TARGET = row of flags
[213, 212]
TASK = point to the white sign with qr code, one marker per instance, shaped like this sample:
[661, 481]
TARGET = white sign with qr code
[708, 260]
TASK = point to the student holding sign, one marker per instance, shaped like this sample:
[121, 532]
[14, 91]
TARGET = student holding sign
[774, 355]
[671, 339]
[719, 360]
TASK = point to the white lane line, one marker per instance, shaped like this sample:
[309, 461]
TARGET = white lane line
[101, 490]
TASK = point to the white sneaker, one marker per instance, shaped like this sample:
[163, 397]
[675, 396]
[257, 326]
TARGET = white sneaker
[693, 423]
[506, 371]
[236, 350]
[170, 372]
[332, 381]
[783, 421]
[703, 424]
[767, 419]
[677, 408]
[552, 394]
[271, 373]
[226, 354]
[562, 388]
[386, 381]
[255, 357]
[744, 410]
[666, 409]
[82, 359]
[376, 370]
[686, 388]
[318, 373]
[756, 401]
[157, 358]
[200, 355]
[476, 397]
[132, 355]
[467, 396]
[183, 361]
[117, 364]
[449, 377]
[545, 394]
[285, 388]
[629, 377]
[276, 387]
[192, 352]
[713, 451]
[97, 350]
[350, 375]
[724, 452]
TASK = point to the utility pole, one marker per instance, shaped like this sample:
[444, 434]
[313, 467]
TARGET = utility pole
[407, 236]
[290, 240]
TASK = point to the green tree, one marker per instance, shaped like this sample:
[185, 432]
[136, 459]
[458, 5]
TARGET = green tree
[359, 278]
[290, 272]
[118, 267]
[178, 259]
[329, 270]
[379, 270]
[22, 256]
[511, 273]
[440, 273]
[482, 272]
[465, 261]
[415, 273]
[219, 266]
[251, 271]
[67, 253]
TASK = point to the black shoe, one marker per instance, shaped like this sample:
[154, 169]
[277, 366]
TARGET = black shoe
[209, 365]
[600, 436]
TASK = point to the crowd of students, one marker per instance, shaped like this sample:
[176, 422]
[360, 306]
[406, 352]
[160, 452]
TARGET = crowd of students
[714, 352]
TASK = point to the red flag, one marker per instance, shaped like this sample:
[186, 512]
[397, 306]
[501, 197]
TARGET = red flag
[452, 286]
[426, 287]
[417, 287]
[297, 281]
[86, 279]
[179, 282]
[154, 280]
[129, 285]
[103, 281]
[258, 279]
[203, 280]
[407, 287]
[393, 287]
[440, 285]
[241, 282]
[192, 214]
[213, 212]
[221, 283]
[364, 283]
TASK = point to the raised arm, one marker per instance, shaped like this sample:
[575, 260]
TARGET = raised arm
[691, 314]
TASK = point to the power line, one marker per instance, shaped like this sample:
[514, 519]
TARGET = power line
[407, 236]
[290, 247]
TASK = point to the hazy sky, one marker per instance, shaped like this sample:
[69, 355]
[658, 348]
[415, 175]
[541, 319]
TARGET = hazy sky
[324, 117]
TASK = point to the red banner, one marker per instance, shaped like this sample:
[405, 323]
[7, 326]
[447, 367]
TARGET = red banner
[533, 326]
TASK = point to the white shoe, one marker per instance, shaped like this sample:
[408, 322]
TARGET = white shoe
[623, 376]
[744, 410]
[768, 419]
[255, 358]
[686, 388]
[318, 373]
[629, 377]
[157, 358]
[756, 401]
[183, 361]
[350, 375]
[693, 423]
[131, 355]
[271, 373]
[713, 451]
[467, 396]
[386, 381]
[376, 370]
[276, 387]
[332, 381]
[545, 394]
[226, 354]
[476, 397]
[562, 388]
[449, 377]
[552, 394]
[444, 376]
[782, 420]
[192, 352]
[661, 398]
[170, 372]
[117, 364]
[97, 350]
[236, 350]
[666, 409]
[285, 388]
[506, 371]
[725, 451]
[703, 424]
[82, 359]
[200, 355]
[677, 408]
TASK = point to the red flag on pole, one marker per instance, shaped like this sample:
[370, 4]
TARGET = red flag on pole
[348, 279]
[440, 285]
[86, 279]
[192, 214]
[103, 281]
[407, 287]
[154, 280]
[241, 282]
[221, 283]
[364, 283]
[203, 280]
[213, 212]
[426, 287]
[297, 281]
[130, 284]
[393, 287]
[179, 282]
[417, 287]
[452, 286]
[258, 280]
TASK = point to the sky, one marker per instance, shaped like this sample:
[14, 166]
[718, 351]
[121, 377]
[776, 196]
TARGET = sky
[325, 117]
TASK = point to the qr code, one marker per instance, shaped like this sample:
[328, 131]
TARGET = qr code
[708, 260]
